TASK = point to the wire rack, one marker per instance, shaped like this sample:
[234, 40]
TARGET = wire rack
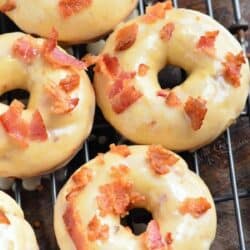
[109, 135]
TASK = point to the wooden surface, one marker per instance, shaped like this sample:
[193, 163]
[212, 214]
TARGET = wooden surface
[213, 159]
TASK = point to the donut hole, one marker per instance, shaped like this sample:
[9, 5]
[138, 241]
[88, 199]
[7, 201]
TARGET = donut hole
[18, 94]
[171, 76]
[137, 220]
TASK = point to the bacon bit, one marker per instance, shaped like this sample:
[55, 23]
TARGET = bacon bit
[14, 125]
[160, 159]
[69, 83]
[126, 37]
[100, 158]
[173, 100]
[57, 57]
[8, 6]
[207, 42]
[122, 150]
[119, 172]
[3, 218]
[169, 238]
[25, 50]
[163, 93]
[153, 236]
[156, 11]
[196, 111]
[80, 179]
[68, 8]
[90, 59]
[97, 231]
[232, 67]
[195, 206]
[61, 102]
[143, 69]
[37, 128]
[116, 198]
[167, 31]
[75, 228]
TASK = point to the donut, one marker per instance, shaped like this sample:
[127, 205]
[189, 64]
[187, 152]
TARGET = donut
[15, 231]
[184, 117]
[75, 20]
[59, 113]
[89, 207]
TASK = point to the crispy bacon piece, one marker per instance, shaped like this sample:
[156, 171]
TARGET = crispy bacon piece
[116, 197]
[207, 42]
[232, 67]
[194, 206]
[157, 11]
[126, 37]
[14, 125]
[80, 180]
[74, 226]
[167, 31]
[100, 158]
[8, 6]
[61, 101]
[196, 110]
[143, 69]
[97, 231]
[3, 218]
[122, 150]
[70, 83]
[37, 128]
[153, 236]
[90, 59]
[168, 238]
[25, 49]
[69, 8]
[171, 98]
[119, 172]
[160, 159]
[57, 57]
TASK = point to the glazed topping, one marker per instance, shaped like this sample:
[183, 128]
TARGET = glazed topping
[61, 102]
[167, 31]
[38, 130]
[171, 99]
[119, 172]
[57, 57]
[80, 180]
[153, 236]
[126, 37]
[232, 67]
[143, 69]
[97, 231]
[70, 83]
[75, 228]
[207, 42]
[195, 207]
[196, 110]
[14, 125]
[69, 8]
[122, 150]
[109, 65]
[160, 159]
[25, 50]
[169, 238]
[3, 218]
[8, 6]
[157, 11]
[117, 197]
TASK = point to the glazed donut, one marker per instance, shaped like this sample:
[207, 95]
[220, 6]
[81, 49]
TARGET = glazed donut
[59, 113]
[189, 115]
[15, 232]
[89, 207]
[75, 20]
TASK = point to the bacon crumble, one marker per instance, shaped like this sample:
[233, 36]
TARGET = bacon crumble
[3, 218]
[9, 5]
[126, 37]
[195, 207]
[68, 8]
[97, 231]
[119, 172]
[122, 150]
[232, 67]
[167, 31]
[160, 159]
[70, 83]
[168, 238]
[143, 69]
[89, 60]
[100, 158]
[196, 110]
[171, 99]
